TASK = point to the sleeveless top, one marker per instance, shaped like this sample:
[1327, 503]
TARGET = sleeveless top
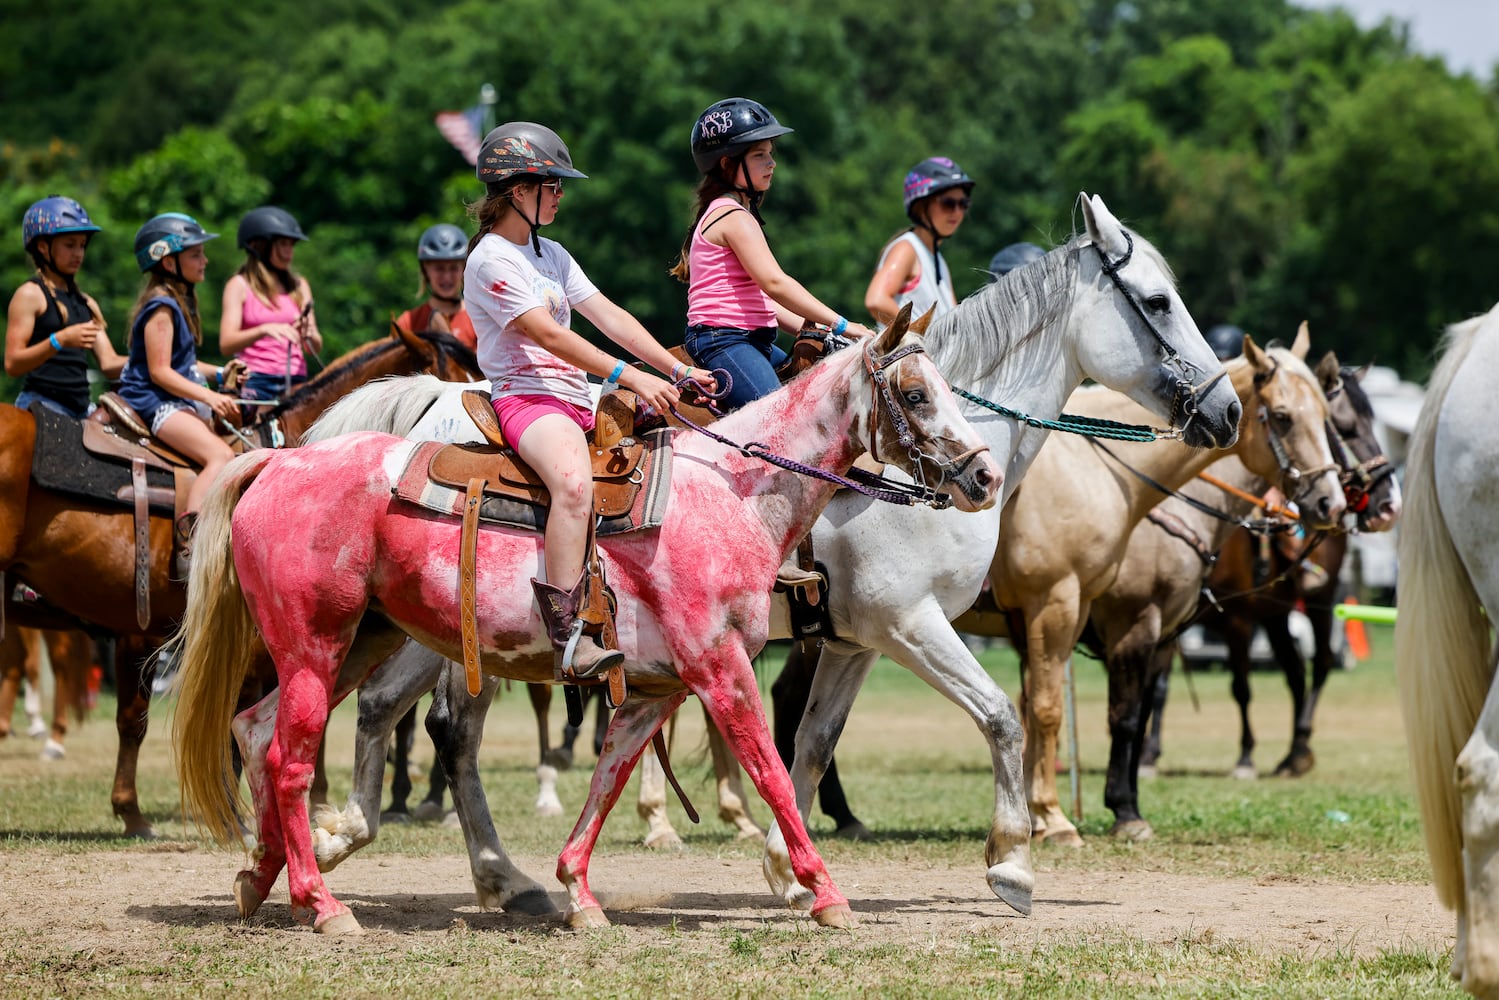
[268, 355]
[720, 291]
[923, 291]
[136, 388]
[63, 377]
[419, 320]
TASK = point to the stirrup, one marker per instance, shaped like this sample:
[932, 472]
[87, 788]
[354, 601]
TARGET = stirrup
[790, 575]
[567, 672]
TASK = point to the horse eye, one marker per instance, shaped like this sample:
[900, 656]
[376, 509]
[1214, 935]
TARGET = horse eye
[1158, 303]
[1282, 417]
[915, 397]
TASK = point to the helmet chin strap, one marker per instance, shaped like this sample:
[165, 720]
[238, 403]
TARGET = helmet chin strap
[45, 267]
[533, 222]
[751, 195]
[937, 239]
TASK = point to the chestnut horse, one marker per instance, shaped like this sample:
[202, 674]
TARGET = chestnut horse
[77, 554]
[334, 575]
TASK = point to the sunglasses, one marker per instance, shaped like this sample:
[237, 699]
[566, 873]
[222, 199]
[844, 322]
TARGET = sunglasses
[954, 203]
[554, 185]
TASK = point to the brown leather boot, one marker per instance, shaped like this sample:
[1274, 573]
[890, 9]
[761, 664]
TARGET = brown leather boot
[182, 542]
[559, 613]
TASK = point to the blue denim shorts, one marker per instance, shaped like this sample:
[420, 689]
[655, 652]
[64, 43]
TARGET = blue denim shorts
[751, 358]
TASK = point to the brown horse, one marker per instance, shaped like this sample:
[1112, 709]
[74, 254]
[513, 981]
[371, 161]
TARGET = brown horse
[71, 654]
[77, 554]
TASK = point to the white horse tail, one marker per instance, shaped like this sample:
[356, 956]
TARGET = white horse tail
[214, 648]
[1443, 657]
[392, 405]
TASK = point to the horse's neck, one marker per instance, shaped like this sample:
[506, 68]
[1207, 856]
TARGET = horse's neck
[812, 421]
[1215, 530]
[335, 382]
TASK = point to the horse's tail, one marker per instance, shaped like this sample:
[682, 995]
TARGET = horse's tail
[214, 648]
[392, 405]
[1443, 656]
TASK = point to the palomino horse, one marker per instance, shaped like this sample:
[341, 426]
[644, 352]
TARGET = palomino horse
[1066, 529]
[1444, 639]
[1169, 555]
[77, 555]
[334, 575]
[1104, 307]
[71, 653]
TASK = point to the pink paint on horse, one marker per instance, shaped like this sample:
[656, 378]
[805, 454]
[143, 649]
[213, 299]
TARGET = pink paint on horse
[334, 574]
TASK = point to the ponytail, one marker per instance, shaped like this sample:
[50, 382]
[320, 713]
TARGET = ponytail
[709, 188]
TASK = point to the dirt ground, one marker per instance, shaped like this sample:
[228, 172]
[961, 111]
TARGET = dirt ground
[134, 899]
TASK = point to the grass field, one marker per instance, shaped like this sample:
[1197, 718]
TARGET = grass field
[918, 775]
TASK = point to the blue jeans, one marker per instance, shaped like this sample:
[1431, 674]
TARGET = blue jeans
[26, 398]
[258, 385]
[751, 358]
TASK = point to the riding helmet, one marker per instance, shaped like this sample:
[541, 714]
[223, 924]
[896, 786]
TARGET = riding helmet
[268, 222]
[53, 216]
[729, 128]
[443, 241]
[1226, 340]
[932, 175]
[1013, 256]
[167, 234]
[523, 149]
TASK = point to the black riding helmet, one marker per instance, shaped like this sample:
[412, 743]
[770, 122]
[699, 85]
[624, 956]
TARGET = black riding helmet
[268, 222]
[1226, 340]
[522, 150]
[729, 128]
[1013, 256]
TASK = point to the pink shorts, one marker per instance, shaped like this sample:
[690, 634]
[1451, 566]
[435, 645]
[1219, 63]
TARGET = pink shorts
[516, 413]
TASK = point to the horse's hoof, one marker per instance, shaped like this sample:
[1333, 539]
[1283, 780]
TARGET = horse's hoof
[549, 808]
[799, 897]
[750, 832]
[338, 925]
[138, 829]
[428, 812]
[664, 840]
[1134, 831]
[246, 899]
[837, 916]
[1146, 771]
[395, 817]
[53, 750]
[1014, 885]
[561, 759]
[1244, 772]
[37, 729]
[1059, 838]
[533, 903]
[1296, 765]
[853, 831]
[451, 821]
[588, 918]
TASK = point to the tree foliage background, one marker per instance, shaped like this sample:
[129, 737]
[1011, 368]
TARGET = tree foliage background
[1290, 164]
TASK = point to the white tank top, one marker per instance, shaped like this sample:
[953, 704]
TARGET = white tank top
[924, 290]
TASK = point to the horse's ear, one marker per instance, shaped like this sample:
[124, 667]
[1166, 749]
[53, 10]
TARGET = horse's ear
[920, 323]
[1329, 372]
[1256, 357]
[1303, 342]
[1103, 228]
[414, 344]
[1361, 371]
[893, 334]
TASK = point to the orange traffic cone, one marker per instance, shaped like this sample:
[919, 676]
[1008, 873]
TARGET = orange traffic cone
[1358, 639]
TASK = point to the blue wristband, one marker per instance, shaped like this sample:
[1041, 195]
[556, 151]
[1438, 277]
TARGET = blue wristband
[840, 325]
[613, 380]
[52, 339]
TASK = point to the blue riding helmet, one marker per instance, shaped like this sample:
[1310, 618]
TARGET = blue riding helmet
[443, 241]
[1013, 256]
[53, 216]
[167, 234]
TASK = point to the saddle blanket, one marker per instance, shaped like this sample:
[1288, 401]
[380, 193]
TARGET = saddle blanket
[415, 486]
[60, 463]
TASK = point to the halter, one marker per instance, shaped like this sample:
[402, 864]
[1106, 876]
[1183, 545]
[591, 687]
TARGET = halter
[1184, 399]
[882, 388]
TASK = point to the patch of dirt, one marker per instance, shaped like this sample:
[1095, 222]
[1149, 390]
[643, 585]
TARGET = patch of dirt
[128, 903]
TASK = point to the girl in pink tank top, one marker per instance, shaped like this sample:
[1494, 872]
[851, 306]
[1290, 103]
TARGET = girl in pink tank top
[737, 295]
[267, 320]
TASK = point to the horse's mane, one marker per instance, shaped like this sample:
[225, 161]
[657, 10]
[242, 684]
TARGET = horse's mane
[444, 343]
[976, 340]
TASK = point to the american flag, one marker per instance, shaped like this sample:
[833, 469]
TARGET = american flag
[463, 129]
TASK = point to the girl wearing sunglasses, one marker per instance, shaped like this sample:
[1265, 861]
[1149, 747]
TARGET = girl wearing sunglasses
[911, 268]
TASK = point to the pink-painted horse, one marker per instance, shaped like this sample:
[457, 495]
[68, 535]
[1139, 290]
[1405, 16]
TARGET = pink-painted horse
[334, 574]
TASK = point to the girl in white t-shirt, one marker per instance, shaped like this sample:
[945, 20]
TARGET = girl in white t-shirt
[520, 291]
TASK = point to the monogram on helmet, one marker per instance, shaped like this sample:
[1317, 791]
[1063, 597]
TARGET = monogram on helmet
[523, 149]
[729, 128]
[53, 216]
[167, 234]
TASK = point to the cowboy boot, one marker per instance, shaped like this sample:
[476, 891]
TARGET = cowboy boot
[182, 542]
[559, 612]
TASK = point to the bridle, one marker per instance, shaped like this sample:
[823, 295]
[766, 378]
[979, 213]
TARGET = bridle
[1184, 400]
[1294, 480]
[881, 389]
[1359, 478]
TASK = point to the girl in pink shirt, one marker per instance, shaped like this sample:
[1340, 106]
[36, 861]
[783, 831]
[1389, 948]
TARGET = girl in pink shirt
[737, 294]
[267, 320]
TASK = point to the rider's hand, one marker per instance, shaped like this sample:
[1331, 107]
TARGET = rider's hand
[226, 407]
[235, 373]
[80, 335]
[657, 393]
[858, 331]
[282, 331]
[704, 379]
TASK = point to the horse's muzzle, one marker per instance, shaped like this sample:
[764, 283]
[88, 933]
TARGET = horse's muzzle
[976, 479]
